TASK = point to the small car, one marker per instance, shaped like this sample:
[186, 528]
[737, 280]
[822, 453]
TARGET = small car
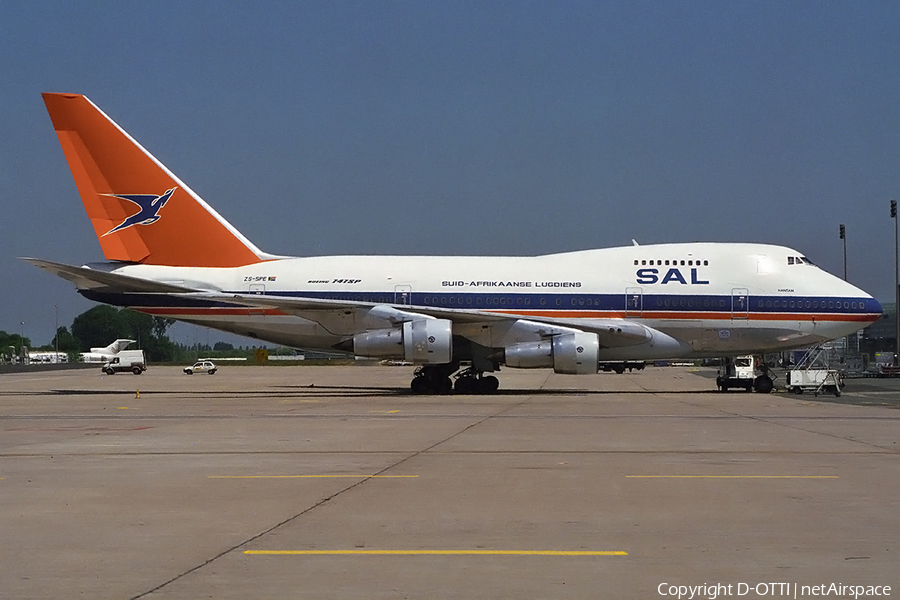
[201, 366]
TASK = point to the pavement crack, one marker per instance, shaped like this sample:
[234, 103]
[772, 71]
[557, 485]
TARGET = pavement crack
[324, 501]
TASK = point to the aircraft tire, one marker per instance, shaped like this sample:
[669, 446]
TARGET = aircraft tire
[442, 385]
[419, 385]
[488, 385]
[467, 385]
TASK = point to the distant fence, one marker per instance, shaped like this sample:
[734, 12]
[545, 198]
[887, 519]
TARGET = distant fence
[42, 367]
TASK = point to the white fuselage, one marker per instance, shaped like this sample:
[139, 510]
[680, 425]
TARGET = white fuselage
[714, 298]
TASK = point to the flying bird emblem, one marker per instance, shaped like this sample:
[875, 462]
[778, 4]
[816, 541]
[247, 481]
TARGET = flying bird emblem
[150, 205]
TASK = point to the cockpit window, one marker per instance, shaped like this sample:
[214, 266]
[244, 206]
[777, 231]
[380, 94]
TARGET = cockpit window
[790, 260]
[807, 261]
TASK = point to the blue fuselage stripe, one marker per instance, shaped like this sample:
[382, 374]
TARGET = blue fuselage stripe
[630, 304]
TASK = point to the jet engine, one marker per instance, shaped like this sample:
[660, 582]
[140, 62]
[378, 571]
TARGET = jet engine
[571, 353]
[426, 341]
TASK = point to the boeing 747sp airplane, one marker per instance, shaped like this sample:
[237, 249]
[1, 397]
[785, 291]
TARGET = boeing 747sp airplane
[169, 254]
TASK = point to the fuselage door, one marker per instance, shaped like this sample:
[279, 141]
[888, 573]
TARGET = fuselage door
[634, 302]
[740, 303]
[402, 294]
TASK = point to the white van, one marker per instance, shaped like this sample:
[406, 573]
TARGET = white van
[126, 360]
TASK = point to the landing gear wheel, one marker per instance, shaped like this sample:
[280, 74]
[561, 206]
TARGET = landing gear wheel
[467, 385]
[419, 385]
[442, 385]
[432, 380]
[488, 385]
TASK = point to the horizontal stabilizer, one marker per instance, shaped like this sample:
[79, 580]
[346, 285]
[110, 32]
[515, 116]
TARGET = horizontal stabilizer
[86, 278]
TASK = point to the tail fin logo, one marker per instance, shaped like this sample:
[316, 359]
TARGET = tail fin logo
[149, 204]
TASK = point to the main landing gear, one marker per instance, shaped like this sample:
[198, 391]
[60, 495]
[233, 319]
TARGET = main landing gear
[436, 379]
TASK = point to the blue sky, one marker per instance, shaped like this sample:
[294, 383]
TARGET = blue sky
[465, 127]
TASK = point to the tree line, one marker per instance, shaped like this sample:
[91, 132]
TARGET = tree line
[102, 324]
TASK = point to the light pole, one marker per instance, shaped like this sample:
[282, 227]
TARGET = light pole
[896, 285]
[843, 232]
[56, 336]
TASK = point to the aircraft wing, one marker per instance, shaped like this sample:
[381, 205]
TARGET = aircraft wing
[612, 332]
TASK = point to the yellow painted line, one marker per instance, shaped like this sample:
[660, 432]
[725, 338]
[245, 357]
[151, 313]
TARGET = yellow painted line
[387, 412]
[311, 476]
[731, 476]
[438, 552]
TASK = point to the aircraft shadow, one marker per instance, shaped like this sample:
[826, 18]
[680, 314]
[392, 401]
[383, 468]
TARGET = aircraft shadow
[338, 391]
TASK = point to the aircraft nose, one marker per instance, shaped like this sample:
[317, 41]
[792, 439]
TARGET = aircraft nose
[873, 306]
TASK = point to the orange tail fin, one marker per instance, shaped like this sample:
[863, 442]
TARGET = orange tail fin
[140, 210]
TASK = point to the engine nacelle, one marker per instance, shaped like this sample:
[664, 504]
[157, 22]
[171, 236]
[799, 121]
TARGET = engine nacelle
[428, 341]
[570, 353]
